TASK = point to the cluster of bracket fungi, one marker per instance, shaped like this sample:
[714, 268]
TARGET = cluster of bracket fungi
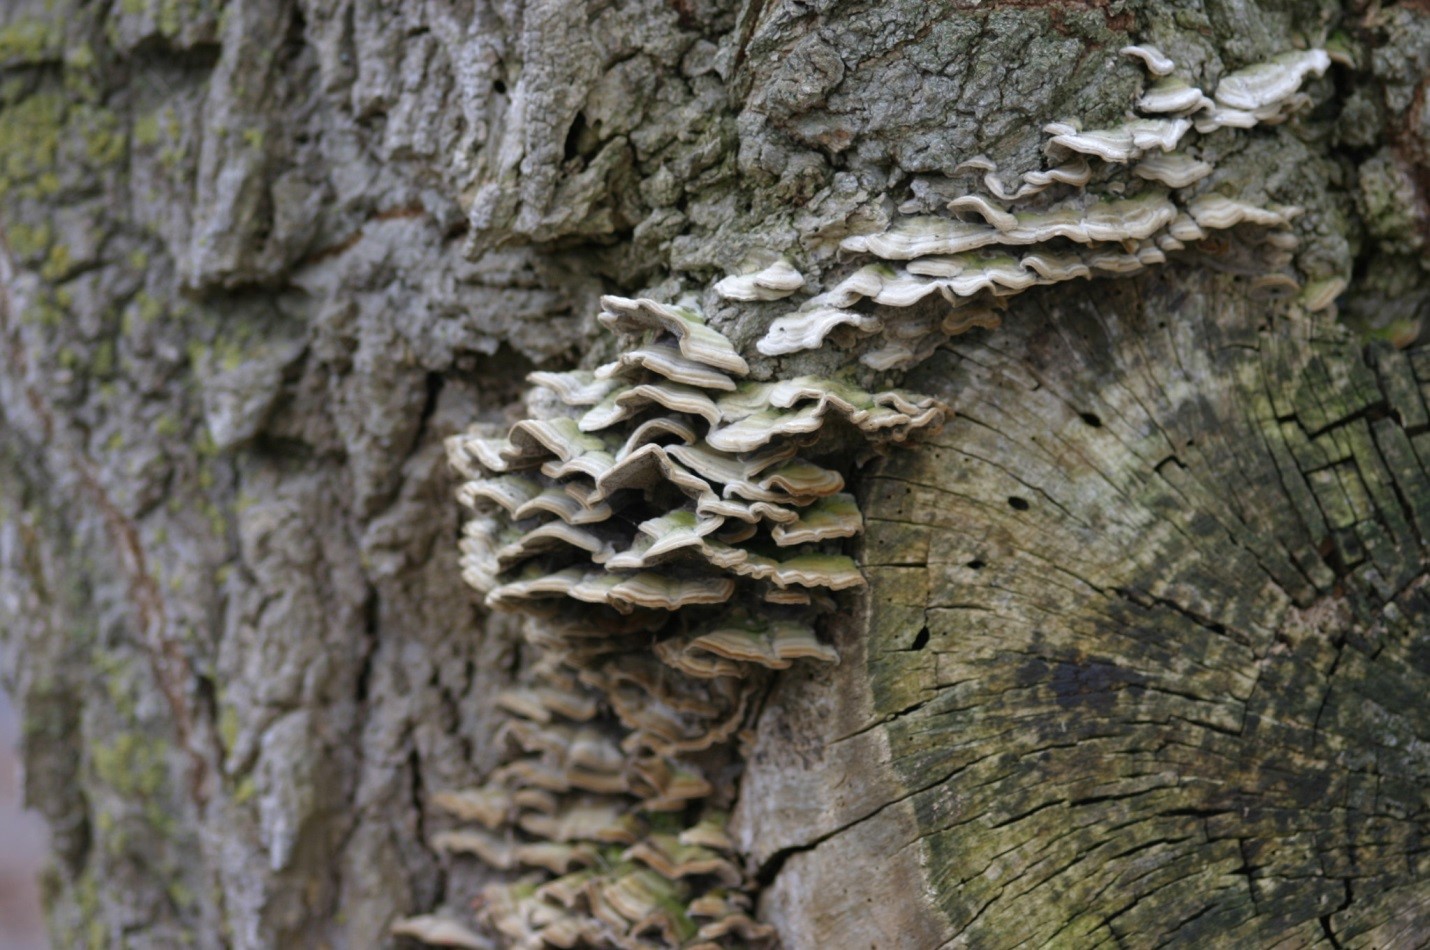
[995, 247]
[666, 526]
[662, 522]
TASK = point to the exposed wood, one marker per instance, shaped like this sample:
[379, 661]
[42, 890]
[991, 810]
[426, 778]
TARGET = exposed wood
[1149, 647]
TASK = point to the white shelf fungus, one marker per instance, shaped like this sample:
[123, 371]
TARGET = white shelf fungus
[969, 257]
[1172, 169]
[686, 504]
[1157, 63]
[775, 282]
[1266, 85]
[1123, 143]
[1173, 95]
[441, 932]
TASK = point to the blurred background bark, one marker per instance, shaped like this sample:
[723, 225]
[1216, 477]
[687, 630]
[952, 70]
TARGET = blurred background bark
[22, 843]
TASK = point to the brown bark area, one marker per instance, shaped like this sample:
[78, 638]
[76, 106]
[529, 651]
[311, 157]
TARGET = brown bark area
[260, 257]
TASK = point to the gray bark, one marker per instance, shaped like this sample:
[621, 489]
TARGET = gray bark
[260, 258]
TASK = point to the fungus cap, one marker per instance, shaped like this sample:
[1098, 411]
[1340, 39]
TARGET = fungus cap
[1156, 62]
[775, 282]
[806, 329]
[696, 341]
[1265, 84]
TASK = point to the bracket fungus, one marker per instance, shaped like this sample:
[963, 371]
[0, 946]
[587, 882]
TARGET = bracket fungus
[1155, 194]
[1157, 63]
[775, 282]
[672, 530]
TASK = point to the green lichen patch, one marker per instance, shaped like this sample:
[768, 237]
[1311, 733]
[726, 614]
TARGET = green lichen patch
[30, 133]
[30, 41]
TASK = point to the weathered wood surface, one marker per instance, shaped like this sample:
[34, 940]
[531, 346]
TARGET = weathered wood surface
[1148, 653]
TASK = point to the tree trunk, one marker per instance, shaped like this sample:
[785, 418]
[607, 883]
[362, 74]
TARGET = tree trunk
[1145, 646]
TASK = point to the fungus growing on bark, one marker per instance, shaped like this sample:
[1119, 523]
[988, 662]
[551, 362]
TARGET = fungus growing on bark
[1154, 197]
[775, 282]
[1172, 169]
[669, 528]
[438, 931]
[806, 329]
[1123, 143]
[1172, 95]
[1157, 63]
[696, 341]
[1270, 85]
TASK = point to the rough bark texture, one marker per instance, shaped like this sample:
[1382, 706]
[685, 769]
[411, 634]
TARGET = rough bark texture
[1144, 655]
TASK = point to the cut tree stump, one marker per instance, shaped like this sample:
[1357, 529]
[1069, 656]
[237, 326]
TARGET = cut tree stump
[1148, 648]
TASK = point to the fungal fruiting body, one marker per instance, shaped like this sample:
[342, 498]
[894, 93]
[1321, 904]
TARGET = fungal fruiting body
[672, 531]
[1156, 198]
[775, 282]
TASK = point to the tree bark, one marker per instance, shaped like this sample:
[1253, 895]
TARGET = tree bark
[1144, 653]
